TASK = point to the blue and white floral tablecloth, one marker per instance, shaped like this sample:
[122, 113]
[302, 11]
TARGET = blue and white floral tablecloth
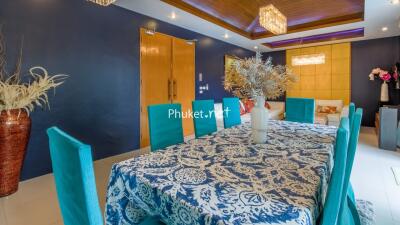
[224, 178]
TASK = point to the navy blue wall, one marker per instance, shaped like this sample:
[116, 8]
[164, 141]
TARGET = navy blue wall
[98, 47]
[278, 58]
[366, 55]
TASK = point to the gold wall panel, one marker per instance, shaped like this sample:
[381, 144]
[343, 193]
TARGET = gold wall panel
[330, 80]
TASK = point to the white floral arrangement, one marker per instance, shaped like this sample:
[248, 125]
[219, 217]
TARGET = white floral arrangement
[252, 77]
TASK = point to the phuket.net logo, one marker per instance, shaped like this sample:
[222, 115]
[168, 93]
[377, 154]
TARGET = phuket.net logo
[174, 113]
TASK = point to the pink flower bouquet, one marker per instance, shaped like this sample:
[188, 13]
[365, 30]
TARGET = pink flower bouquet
[383, 74]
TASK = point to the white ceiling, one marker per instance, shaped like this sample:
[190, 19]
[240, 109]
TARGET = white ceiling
[378, 14]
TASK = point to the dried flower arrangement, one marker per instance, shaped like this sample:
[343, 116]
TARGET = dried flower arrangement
[17, 92]
[251, 77]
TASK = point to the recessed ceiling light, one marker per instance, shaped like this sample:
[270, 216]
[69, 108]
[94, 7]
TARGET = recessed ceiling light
[173, 15]
[226, 36]
[255, 47]
[384, 28]
[395, 2]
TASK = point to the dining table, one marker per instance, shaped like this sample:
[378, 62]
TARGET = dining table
[226, 178]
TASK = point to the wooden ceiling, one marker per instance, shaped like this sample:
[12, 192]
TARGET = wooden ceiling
[241, 16]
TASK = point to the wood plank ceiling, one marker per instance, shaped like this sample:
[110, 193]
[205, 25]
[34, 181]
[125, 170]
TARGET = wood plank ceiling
[241, 16]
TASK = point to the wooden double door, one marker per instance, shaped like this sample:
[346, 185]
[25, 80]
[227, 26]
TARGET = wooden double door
[167, 75]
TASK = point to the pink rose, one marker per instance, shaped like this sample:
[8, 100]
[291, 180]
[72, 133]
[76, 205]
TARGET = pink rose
[385, 77]
[395, 75]
[382, 73]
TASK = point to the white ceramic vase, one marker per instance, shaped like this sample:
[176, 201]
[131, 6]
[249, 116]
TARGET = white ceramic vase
[259, 121]
[384, 92]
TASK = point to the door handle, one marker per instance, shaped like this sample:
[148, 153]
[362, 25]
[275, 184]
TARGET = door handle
[174, 88]
[169, 90]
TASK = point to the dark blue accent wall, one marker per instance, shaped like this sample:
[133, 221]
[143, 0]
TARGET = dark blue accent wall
[278, 58]
[208, 62]
[366, 55]
[98, 47]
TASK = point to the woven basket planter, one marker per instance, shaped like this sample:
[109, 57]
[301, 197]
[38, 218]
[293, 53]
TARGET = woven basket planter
[15, 128]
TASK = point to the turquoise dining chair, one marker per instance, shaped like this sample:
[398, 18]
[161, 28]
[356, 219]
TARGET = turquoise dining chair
[204, 117]
[75, 181]
[165, 125]
[74, 177]
[300, 110]
[330, 213]
[352, 109]
[231, 107]
[348, 210]
[351, 152]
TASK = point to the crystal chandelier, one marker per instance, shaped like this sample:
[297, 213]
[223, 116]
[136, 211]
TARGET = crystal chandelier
[103, 2]
[273, 20]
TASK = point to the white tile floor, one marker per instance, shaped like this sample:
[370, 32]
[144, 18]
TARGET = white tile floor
[36, 203]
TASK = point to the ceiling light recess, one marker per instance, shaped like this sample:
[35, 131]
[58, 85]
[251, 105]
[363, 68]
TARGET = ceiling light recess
[173, 15]
[273, 20]
[384, 28]
[313, 59]
[103, 2]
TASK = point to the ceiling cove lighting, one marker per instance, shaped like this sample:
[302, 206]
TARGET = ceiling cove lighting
[313, 59]
[319, 38]
[103, 2]
[273, 20]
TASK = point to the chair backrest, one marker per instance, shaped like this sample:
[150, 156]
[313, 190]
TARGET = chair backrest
[300, 110]
[165, 125]
[74, 177]
[332, 204]
[352, 109]
[348, 214]
[204, 117]
[231, 107]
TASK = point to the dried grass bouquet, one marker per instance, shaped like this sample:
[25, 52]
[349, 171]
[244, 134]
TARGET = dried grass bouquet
[24, 93]
[252, 77]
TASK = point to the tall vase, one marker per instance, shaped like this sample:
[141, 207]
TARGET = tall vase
[259, 121]
[384, 92]
[15, 129]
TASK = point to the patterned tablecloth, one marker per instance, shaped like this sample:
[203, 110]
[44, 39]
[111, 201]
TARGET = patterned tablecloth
[224, 178]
